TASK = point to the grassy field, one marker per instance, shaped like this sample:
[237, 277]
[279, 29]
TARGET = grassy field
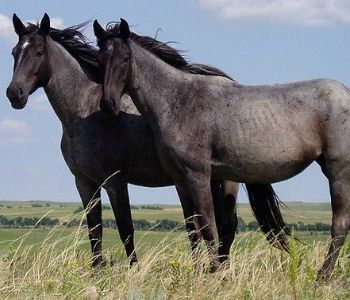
[297, 211]
[58, 267]
[309, 213]
[11, 237]
[54, 263]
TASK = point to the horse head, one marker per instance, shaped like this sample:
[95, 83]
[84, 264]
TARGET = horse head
[31, 68]
[114, 57]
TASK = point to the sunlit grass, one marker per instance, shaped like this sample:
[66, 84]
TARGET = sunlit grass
[58, 266]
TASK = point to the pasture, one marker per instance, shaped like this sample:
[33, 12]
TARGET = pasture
[59, 267]
[44, 263]
[308, 213]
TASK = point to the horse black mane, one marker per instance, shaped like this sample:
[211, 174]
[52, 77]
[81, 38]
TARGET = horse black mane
[73, 40]
[166, 53]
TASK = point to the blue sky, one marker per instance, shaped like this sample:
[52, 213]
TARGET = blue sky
[256, 42]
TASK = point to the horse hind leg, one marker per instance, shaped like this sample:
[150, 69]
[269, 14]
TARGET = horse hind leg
[339, 182]
[191, 222]
[225, 199]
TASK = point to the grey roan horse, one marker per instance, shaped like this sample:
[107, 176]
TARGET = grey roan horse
[94, 146]
[211, 127]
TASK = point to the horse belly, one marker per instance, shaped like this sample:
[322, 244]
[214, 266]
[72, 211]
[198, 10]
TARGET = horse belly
[265, 161]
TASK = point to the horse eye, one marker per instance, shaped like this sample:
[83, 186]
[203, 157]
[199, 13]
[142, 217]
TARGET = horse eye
[39, 53]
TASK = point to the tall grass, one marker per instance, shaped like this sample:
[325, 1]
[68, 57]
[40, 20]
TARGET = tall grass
[60, 269]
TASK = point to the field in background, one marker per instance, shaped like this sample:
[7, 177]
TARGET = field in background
[296, 212]
[11, 237]
[309, 213]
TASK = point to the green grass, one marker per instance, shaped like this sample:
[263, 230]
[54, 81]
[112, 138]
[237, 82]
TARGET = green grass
[298, 211]
[60, 269]
[11, 237]
[54, 263]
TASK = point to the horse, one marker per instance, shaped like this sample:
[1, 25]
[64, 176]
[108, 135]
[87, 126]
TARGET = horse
[210, 127]
[94, 146]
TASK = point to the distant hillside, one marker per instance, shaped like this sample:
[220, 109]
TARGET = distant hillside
[308, 213]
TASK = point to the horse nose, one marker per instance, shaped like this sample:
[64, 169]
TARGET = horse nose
[9, 93]
[109, 107]
[14, 93]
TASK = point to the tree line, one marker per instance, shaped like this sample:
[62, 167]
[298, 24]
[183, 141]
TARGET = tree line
[141, 224]
[106, 207]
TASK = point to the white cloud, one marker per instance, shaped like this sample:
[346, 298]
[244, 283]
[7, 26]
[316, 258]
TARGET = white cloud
[300, 12]
[57, 23]
[6, 27]
[7, 31]
[12, 126]
[14, 132]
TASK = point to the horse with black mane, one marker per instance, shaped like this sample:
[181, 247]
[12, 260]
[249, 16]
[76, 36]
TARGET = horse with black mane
[210, 127]
[93, 146]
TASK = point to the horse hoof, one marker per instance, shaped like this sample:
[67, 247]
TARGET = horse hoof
[98, 264]
[133, 262]
[322, 277]
[223, 259]
[214, 267]
[316, 284]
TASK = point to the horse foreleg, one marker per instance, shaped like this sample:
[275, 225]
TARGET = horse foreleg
[198, 187]
[340, 198]
[91, 197]
[119, 197]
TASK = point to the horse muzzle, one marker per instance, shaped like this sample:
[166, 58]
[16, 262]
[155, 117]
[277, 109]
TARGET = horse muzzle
[18, 98]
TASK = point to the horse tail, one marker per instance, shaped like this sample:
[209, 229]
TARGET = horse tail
[266, 208]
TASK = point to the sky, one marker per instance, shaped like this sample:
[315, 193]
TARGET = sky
[256, 42]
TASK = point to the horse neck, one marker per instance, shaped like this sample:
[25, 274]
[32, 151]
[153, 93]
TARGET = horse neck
[155, 85]
[71, 93]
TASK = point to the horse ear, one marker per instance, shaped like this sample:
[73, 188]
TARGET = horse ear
[44, 27]
[18, 25]
[124, 29]
[98, 30]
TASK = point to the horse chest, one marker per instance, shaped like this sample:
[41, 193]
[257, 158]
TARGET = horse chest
[84, 156]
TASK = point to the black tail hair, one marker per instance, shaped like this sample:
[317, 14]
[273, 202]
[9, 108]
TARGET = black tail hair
[266, 208]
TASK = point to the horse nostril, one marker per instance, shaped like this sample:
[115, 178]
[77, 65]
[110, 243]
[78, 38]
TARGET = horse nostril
[20, 92]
